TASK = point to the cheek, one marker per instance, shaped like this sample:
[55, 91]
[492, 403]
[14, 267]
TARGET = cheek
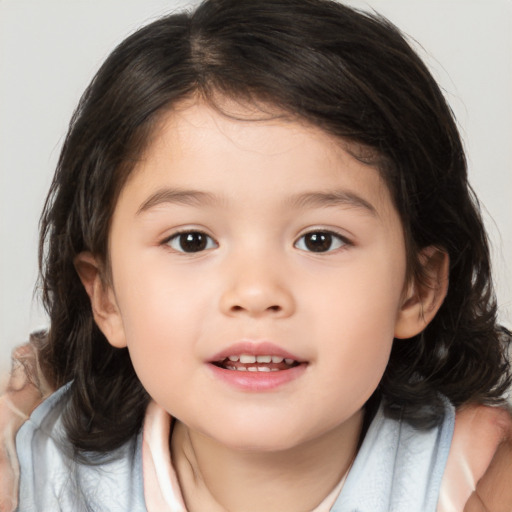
[155, 296]
[364, 297]
[354, 321]
[160, 314]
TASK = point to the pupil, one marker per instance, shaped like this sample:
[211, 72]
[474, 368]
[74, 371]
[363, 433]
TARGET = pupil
[193, 242]
[318, 242]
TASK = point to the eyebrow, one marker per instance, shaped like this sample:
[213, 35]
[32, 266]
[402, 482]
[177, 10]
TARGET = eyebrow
[305, 200]
[332, 198]
[176, 196]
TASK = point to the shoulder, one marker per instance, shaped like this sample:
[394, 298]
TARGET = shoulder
[482, 439]
[53, 478]
[43, 450]
[398, 467]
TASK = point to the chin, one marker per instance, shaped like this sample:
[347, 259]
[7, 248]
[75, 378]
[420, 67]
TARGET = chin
[260, 437]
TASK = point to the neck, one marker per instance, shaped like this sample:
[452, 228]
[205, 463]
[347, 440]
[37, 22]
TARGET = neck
[218, 478]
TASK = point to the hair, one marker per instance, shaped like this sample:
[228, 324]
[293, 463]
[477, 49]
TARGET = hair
[348, 72]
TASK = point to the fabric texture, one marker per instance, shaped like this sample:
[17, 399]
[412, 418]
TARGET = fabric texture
[397, 469]
[51, 479]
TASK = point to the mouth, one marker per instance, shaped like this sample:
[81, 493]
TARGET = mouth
[253, 363]
[257, 366]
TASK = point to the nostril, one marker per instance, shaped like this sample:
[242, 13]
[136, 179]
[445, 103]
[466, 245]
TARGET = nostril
[273, 309]
[258, 299]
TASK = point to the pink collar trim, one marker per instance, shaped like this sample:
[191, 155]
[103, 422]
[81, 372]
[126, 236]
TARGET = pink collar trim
[162, 491]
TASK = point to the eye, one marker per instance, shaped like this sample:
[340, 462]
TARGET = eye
[320, 241]
[191, 241]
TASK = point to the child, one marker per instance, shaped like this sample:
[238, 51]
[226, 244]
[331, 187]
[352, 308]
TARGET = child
[261, 227]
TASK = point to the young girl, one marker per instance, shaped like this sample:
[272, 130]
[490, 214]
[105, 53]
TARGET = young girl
[267, 278]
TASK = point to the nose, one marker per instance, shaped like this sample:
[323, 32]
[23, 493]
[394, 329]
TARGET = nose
[256, 288]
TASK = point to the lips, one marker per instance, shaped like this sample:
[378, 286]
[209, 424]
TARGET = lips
[252, 363]
[251, 366]
[250, 356]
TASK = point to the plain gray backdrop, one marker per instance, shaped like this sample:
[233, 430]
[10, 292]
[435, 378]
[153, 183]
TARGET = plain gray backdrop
[50, 49]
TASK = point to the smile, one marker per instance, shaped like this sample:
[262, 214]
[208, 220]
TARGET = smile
[260, 363]
[256, 367]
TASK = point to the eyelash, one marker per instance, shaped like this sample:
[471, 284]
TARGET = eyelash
[206, 242]
[207, 239]
[329, 236]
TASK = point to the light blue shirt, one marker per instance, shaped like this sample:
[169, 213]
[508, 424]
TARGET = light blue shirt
[397, 469]
[51, 479]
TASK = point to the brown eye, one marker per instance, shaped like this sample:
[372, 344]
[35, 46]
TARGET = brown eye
[191, 241]
[320, 241]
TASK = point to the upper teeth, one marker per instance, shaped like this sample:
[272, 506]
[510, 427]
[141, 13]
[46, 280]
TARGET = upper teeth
[247, 359]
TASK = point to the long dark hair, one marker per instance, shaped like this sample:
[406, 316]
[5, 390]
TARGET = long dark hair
[347, 72]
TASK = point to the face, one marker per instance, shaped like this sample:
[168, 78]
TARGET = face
[258, 272]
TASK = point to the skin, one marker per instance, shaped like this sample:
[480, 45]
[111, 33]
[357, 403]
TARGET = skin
[256, 281]
[477, 475]
[219, 464]
[492, 492]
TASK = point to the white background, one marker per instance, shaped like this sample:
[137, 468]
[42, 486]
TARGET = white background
[50, 49]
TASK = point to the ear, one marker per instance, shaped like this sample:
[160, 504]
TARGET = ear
[422, 300]
[103, 301]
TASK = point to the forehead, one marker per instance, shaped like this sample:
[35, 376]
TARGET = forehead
[242, 150]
